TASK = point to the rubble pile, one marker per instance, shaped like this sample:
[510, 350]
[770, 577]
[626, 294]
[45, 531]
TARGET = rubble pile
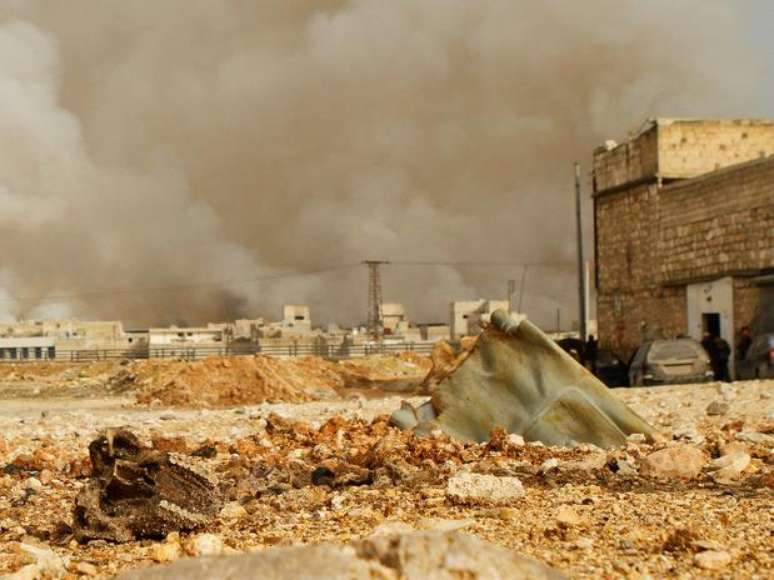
[137, 492]
[693, 501]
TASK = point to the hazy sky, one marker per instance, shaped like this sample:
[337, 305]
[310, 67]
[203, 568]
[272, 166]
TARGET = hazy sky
[186, 155]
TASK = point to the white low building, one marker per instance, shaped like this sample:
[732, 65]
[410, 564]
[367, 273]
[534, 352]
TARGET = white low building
[28, 348]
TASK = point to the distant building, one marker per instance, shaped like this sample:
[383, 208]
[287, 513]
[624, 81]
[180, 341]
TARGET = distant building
[393, 318]
[188, 336]
[467, 316]
[28, 348]
[297, 316]
[684, 230]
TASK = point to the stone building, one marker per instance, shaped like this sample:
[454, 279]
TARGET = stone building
[684, 230]
[467, 316]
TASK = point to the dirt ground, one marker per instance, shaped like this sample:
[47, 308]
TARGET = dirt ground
[587, 512]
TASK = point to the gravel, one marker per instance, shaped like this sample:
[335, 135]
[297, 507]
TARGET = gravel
[587, 512]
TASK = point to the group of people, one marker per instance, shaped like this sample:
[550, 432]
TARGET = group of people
[719, 351]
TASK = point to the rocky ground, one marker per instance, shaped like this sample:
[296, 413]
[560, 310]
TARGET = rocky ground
[696, 503]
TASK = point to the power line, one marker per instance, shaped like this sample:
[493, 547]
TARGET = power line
[485, 264]
[269, 277]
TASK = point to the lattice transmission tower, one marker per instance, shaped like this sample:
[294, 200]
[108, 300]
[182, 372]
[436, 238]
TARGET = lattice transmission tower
[375, 322]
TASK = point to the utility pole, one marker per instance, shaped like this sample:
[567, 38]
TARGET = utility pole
[511, 290]
[521, 290]
[581, 265]
[375, 324]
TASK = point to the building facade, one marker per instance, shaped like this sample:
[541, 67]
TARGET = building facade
[467, 316]
[684, 230]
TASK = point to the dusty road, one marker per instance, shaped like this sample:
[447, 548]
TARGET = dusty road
[590, 513]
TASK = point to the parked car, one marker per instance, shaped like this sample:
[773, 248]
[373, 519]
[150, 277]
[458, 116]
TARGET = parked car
[662, 362]
[758, 362]
[611, 370]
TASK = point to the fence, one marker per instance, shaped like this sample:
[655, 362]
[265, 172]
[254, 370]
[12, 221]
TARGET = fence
[329, 351]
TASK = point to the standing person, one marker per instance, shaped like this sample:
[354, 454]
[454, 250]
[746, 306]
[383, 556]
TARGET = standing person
[723, 353]
[745, 342]
[592, 349]
[708, 342]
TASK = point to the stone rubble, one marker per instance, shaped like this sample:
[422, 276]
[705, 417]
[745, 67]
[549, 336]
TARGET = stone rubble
[580, 510]
[478, 488]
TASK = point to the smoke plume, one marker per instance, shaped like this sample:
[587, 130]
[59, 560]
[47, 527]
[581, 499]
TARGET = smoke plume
[174, 160]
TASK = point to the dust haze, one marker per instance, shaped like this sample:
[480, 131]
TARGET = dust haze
[171, 161]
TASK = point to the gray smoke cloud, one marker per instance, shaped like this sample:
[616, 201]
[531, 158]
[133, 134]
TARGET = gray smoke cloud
[179, 143]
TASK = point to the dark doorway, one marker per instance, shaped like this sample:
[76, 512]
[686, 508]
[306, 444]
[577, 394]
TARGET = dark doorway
[710, 322]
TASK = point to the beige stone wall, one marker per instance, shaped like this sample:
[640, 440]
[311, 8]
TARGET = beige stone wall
[651, 240]
[627, 162]
[746, 300]
[688, 148]
[680, 148]
[717, 224]
[627, 318]
[627, 228]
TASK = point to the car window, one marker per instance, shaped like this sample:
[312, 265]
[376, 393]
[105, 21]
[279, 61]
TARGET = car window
[680, 349]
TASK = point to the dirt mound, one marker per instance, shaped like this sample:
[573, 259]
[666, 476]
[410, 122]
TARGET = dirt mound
[223, 382]
[403, 371]
[214, 382]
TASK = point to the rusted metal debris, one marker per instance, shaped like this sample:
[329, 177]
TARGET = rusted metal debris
[138, 492]
[515, 377]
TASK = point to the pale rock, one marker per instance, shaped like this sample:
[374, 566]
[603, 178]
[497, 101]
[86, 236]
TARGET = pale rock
[567, 517]
[755, 437]
[166, 552]
[716, 408]
[419, 555]
[727, 391]
[626, 467]
[473, 488]
[515, 439]
[729, 466]
[549, 464]
[392, 528]
[444, 525]
[712, 559]
[45, 477]
[205, 545]
[506, 514]
[232, 511]
[591, 462]
[47, 564]
[584, 544]
[86, 569]
[337, 502]
[681, 461]
[688, 433]
[702, 545]
[33, 485]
